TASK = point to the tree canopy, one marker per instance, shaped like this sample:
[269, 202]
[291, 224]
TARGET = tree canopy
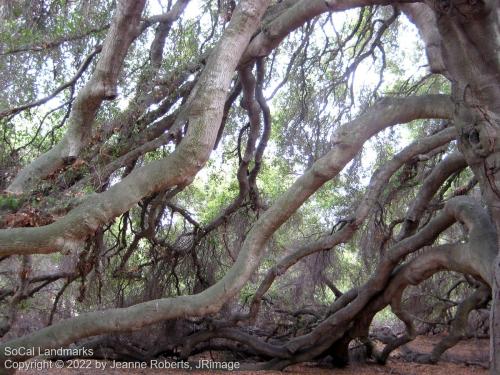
[272, 178]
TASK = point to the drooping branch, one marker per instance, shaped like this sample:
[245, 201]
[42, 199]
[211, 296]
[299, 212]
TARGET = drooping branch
[446, 257]
[346, 142]
[458, 328]
[100, 87]
[460, 208]
[474, 258]
[83, 67]
[249, 103]
[425, 20]
[379, 179]
[259, 346]
[451, 164]
[293, 14]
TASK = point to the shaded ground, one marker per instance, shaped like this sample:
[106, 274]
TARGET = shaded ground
[471, 351]
[469, 357]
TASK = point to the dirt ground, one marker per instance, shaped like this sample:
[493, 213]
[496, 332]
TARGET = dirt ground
[469, 357]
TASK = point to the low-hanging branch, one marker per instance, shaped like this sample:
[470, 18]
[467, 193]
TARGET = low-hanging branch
[347, 141]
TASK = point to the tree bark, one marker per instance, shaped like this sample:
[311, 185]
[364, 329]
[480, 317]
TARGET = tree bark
[346, 143]
[469, 39]
[100, 87]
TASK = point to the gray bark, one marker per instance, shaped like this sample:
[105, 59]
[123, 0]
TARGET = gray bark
[469, 39]
[101, 86]
[462, 43]
[346, 143]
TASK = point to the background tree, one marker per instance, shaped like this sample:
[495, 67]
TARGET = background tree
[164, 163]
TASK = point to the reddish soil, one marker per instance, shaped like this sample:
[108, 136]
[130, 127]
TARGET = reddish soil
[467, 358]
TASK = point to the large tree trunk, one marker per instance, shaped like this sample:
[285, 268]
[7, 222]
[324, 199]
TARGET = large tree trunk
[470, 42]
[462, 40]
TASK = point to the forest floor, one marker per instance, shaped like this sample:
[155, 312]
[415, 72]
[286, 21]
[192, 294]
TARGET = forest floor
[469, 357]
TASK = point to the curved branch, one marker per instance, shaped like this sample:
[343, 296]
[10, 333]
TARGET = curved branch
[451, 164]
[100, 87]
[83, 67]
[295, 14]
[425, 19]
[475, 257]
[459, 325]
[379, 179]
[204, 115]
[463, 209]
[346, 143]
[260, 347]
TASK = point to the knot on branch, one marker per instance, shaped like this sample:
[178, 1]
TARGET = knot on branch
[478, 129]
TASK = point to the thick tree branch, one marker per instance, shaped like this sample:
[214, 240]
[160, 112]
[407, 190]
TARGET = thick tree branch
[70, 231]
[379, 179]
[293, 15]
[425, 19]
[346, 143]
[451, 164]
[204, 115]
[100, 87]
